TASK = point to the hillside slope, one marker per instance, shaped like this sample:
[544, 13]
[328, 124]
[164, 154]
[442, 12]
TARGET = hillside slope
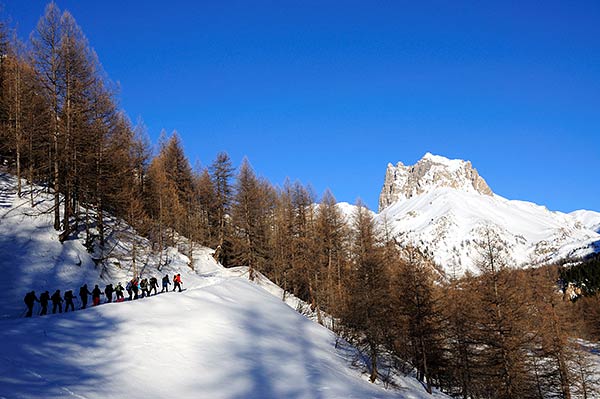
[222, 337]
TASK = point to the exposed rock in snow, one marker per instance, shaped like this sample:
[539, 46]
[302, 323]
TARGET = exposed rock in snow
[431, 172]
[589, 219]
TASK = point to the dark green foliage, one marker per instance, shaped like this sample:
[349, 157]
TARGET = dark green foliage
[584, 275]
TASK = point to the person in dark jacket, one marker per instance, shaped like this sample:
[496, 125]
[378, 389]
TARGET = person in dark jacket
[153, 285]
[69, 301]
[56, 302]
[30, 299]
[83, 294]
[165, 283]
[96, 296]
[129, 289]
[44, 299]
[108, 291]
[119, 292]
[135, 288]
[144, 287]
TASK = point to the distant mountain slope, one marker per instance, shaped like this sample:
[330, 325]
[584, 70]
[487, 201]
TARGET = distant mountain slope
[588, 219]
[446, 214]
[223, 337]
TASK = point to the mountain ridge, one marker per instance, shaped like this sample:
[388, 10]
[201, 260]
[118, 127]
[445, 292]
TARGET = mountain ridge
[430, 172]
[441, 206]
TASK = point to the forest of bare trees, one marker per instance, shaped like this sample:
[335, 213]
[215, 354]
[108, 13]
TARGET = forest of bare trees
[504, 333]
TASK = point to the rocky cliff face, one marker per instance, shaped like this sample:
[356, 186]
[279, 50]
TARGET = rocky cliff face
[431, 172]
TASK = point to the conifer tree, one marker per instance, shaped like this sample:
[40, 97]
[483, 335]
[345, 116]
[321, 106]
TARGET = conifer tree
[221, 174]
[205, 194]
[282, 237]
[501, 321]
[368, 299]
[46, 60]
[331, 252]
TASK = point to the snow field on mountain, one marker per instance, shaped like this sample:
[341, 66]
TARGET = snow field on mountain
[589, 219]
[446, 221]
[222, 337]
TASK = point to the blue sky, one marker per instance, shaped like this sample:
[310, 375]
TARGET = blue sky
[330, 92]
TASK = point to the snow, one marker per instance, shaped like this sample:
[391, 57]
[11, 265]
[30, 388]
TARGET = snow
[447, 221]
[222, 337]
[589, 219]
[452, 165]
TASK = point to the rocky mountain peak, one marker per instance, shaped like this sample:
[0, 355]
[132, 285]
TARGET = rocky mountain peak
[430, 172]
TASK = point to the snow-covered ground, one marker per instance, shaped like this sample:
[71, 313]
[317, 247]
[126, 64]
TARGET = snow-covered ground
[222, 337]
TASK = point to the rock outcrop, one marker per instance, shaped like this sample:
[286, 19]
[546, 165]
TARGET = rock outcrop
[431, 172]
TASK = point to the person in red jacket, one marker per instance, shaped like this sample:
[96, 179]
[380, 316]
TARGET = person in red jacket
[177, 282]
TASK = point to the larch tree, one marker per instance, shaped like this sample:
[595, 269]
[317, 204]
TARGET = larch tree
[368, 287]
[418, 315]
[221, 174]
[281, 238]
[46, 59]
[205, 194]
[250, 214]
[330, 254]
[458, 306]
[77, 73]
[501, 323]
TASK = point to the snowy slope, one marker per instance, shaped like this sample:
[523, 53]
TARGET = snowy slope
[444, 218]
[223, 337]
[589, 219]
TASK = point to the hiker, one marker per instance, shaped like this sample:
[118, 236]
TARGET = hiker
[144, 287]
[165, 283]
[153, 285]
[119, 292]
[135, 288]
[69, 301]
[108, 291]
[83, 294]
[44, 299]
[29, 300]
[177, 282]
[128, 289]
[96, 295]
[56, 302]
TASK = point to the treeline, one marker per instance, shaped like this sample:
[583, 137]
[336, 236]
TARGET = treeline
[61, 124]
[500, 334]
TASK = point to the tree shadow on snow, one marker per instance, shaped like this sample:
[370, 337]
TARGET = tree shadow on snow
[262, 361]
[29, 264]
[57, 356]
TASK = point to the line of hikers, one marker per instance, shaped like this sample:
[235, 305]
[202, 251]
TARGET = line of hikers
[135, 287]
